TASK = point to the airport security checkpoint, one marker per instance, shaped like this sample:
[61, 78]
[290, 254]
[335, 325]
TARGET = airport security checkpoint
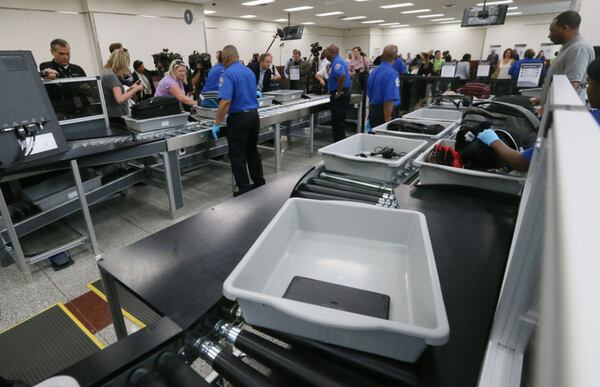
[283, 193]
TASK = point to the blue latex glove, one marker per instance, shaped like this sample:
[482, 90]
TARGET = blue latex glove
[215, 130]
[488, 137]
[258, 94]
[368, 128]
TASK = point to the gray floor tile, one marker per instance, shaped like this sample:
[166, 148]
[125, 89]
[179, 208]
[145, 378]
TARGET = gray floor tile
[72, 281]
[19, 301]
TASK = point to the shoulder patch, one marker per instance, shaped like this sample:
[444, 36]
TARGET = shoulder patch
[397, 82]
[338, 66]
[221, 81]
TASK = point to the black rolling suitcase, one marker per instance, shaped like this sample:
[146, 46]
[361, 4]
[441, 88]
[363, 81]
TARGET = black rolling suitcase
[155, 107]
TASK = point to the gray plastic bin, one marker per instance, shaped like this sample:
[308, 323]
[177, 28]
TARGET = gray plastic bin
[265, 101]
[440, 174]
[435, 115]
[342, 156]
[157, 123]
[60, 189]
[449, 126]
[284, 95]
[365, 247]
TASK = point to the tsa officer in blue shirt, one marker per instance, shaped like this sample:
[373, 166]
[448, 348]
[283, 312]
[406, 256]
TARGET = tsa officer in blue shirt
[212, 82]
[237, 100]
[383, 88]
[338, 86]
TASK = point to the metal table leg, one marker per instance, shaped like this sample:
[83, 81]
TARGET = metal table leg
[311, 138]
[114, 304]
[359, 118]
[173, 181]
[278, 147]
[85, 210]
[14, 239]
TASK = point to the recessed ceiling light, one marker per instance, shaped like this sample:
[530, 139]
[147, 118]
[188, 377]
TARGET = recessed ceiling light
[389, 24]
[514, 13]
[330, 13]
[450, 22]
[361, 1]
[416, 11]
[258, 2]
[399, 5]
[400, 26]
[302, 8]
[308, 23]
[209, 11]
[280, 20]
[354, 18]
[248, 16]
[512, 8]
[495, 2]
[432, 15]
[443, 19]
[372, 21]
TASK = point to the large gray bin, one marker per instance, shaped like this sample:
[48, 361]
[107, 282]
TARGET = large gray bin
[430, 173]
[156, 123]
[376, 249]
[342, 156]
[60, 189]
[448, 125]
[284, 95]
[435, 115]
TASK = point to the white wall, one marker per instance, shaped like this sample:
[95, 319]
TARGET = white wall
[590, 28]
[254, 37]
[34, 25]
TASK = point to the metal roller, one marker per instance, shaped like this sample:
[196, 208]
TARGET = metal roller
[342, 194]
[356, 181]
[401, 374]
[228, 366]
[274, 356]
[178, 373]
[333, 184]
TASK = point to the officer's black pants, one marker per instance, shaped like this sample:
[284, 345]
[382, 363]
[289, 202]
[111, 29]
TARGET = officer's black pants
[339, 107]
[242, 137]
[376, 116]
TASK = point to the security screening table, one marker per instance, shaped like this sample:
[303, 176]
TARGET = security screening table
[179, 271]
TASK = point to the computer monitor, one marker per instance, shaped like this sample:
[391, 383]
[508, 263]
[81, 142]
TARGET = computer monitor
[79, 106]
[448, 70]
[483, 69]
[530, 75]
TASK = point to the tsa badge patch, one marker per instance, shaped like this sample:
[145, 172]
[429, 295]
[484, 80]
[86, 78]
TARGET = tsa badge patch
[221, 81]
[397, 82]
[337, 66]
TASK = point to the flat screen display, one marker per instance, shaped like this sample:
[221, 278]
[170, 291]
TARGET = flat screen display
[491, 16]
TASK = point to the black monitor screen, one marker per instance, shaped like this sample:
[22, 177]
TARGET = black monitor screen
[74, 99]
[477, 16]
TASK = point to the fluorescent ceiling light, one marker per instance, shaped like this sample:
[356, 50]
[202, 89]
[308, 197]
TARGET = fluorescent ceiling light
[330, 13]
[416, 11]
[399, 5]
[248, 16]
[514, 13]
[495, 2]
[450, 22]
[68, 12]
[432, 15]
[280, 20]
[302, 8]
[257, 2]
[511, 8]
[354, 18]
[373, 21]
[400, 26]
[209, 11]
[308, 23]
[389, 24]
[443, 19]
[361, 1]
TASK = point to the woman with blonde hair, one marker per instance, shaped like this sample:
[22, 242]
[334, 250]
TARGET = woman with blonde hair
[172, 83]
[115, 96]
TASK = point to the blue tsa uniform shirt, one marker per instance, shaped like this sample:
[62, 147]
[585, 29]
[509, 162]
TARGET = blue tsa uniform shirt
[212, 79]
[238, 85]
[400, 66]
[384, 85]
[338, 69]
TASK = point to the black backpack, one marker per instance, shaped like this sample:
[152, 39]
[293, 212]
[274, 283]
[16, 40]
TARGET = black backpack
[520, 122]
[414, 127]
[155, 107]
[477, 155]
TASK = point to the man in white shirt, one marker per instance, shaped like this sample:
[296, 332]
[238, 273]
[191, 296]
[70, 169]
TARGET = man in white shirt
[145, 77]
[323, 74]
